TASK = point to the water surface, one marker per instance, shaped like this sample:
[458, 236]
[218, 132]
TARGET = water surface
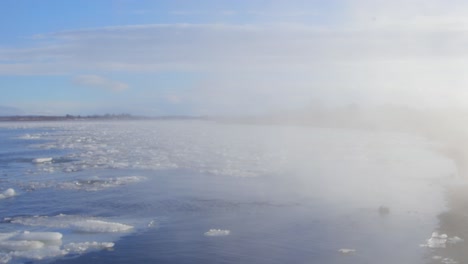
[149, 191]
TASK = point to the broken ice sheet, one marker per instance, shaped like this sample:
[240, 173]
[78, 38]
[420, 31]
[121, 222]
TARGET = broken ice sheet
[440, 240]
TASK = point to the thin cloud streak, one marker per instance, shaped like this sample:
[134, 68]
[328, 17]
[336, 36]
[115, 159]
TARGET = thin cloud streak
[100, 82]
[188, 47]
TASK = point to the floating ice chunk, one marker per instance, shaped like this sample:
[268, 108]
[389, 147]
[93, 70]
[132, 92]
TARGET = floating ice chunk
[76, 223]
[22, 245]
[8, 193]
[46, 252]
[42, 160]
[98, 226]
[449, 261]
[39, 236]
[98, 184]
[217, 232]
[92, 184]
[454, 240]
[152, 223]
[440, 241]
[21, 250]
[437, 241]
[59, 221]
[87, 246]
[347, 250]
[29, 136]
[437, 257]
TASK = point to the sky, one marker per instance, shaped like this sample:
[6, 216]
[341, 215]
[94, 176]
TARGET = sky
[224, 57]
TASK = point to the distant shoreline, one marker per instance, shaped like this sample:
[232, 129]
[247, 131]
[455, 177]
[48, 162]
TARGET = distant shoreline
[40, 118]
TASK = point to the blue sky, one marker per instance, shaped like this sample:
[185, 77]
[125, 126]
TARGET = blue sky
[229, 57]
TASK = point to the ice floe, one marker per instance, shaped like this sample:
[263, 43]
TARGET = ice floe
[97, 184]
[346, 250]
[86, 246]
[29, 136]
[75, 223]
[217, 232]
[102, 146]
[440, 240]
[32, 245]
[454, 240]
[448, 261]
[20, 245]
[50, 247]
[8, 193]
[445, 260]
[80, 235]
[38, 236]
[89, 184]
[42, 160]
[98, 226]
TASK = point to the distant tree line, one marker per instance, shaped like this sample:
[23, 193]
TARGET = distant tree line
[105, 116]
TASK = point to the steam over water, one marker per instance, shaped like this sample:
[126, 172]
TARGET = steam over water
[203, 192]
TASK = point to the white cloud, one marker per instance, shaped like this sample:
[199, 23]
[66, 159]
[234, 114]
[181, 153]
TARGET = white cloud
[378, 51]
[100, 82]
[227, 47]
